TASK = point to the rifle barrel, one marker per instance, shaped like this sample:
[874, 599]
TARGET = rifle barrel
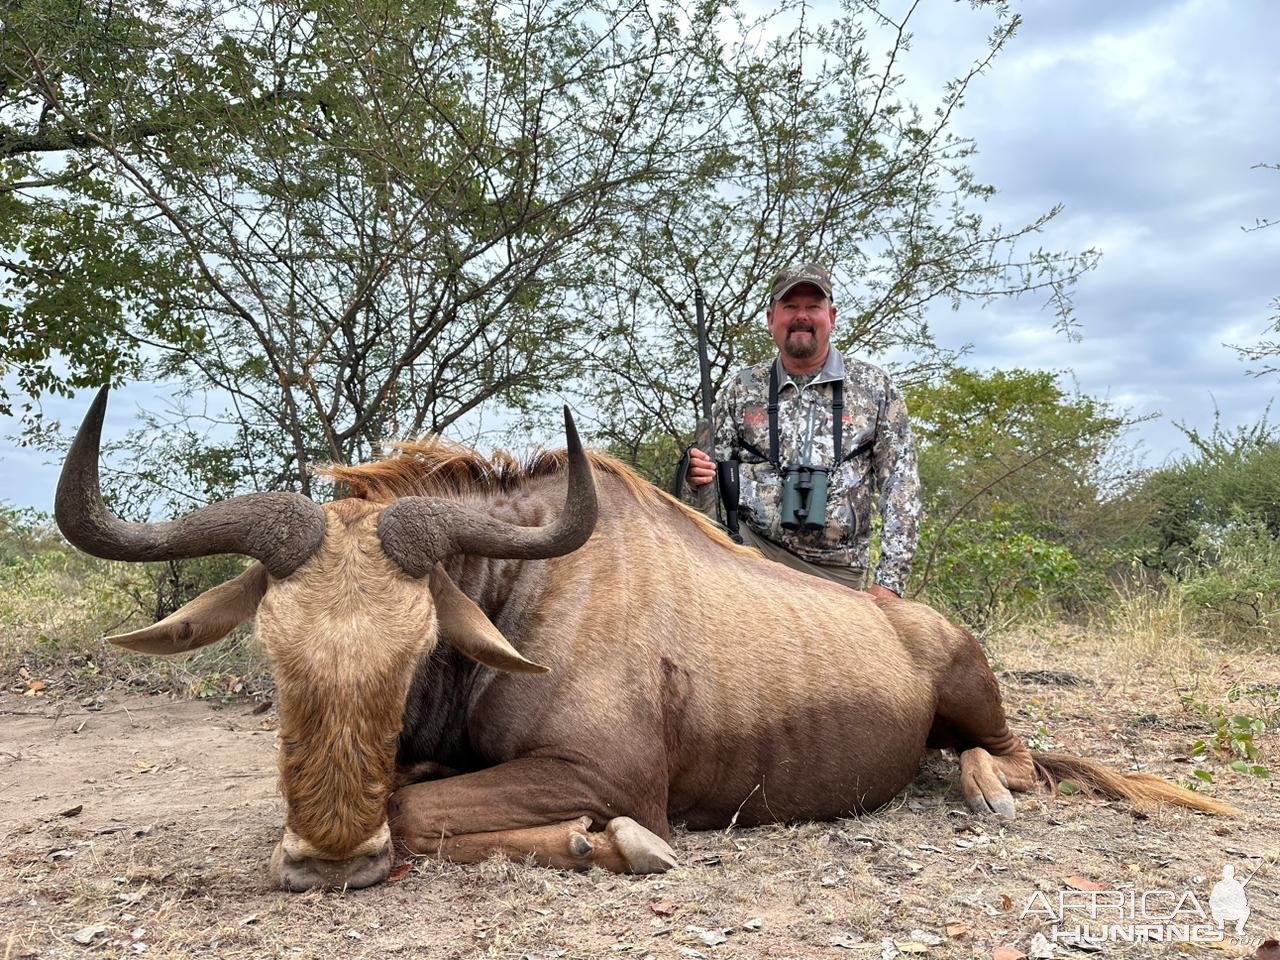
[704, 361]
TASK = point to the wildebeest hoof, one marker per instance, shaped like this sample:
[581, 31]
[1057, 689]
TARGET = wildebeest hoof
[995, 806]
[644, 850]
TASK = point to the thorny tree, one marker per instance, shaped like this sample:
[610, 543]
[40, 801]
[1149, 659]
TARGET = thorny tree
[822, 158]
[362, 220]
[355, 220]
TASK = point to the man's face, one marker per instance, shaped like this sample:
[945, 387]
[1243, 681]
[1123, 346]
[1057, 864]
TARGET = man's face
[801, 323]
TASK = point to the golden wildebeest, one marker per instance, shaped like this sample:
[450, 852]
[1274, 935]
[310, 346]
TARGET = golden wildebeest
[563, 688]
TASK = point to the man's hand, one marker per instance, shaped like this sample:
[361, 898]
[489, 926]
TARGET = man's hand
[884, 593]
[702, 469]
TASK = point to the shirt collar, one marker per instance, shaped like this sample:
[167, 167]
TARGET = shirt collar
[832, 369]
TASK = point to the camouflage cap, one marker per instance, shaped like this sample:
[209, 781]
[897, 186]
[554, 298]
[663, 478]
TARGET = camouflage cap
[791, 277]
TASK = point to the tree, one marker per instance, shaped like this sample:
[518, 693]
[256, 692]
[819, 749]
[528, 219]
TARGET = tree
[354, 220]
[351, 221]
[821, 157]
[1230, 477]
[1266, 352]
[1026, 489]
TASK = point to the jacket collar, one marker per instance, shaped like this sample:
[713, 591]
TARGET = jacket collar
[832, 369]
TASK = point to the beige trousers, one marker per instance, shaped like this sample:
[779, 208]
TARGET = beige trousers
[850, 577]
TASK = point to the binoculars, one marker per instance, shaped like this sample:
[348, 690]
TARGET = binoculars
[804, 498]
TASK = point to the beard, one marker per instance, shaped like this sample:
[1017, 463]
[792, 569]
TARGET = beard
[800, 348]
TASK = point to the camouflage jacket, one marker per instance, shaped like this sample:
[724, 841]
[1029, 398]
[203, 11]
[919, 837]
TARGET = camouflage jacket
[878, 452]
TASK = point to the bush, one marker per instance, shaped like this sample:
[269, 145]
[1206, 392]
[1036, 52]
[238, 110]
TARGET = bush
[56, 605]
[1232, 474]
[990, 571]
[1232, 577]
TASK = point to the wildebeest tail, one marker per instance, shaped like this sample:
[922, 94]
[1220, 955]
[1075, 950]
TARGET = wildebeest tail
[1142, 790]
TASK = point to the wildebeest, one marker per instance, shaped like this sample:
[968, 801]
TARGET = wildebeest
[473, 661]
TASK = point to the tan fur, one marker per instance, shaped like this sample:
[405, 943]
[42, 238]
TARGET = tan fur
[343, 633]
[434, 467]
[1142, 790]
[690, 679]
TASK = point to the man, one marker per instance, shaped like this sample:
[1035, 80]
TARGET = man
[813, 388]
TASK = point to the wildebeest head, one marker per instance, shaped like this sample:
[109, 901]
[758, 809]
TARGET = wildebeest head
[348, 597]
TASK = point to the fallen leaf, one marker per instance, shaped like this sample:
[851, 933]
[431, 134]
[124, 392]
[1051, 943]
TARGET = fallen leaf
[250, 919]
[848, 941]
[399, 873]
[262, 707]
[73, 811]
[957, 930]
[663, 908]
[34, 687]
[1008, 952]
[754, 924]
[1041, 948]
[1083, 883]
[143, 766]
[84, 936]
[1006, 902]
[910, 946]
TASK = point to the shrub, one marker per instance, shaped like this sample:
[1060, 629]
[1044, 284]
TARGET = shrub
[991, 571]
[1233, 576]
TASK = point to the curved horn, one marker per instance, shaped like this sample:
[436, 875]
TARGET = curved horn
[418, 531]
[280, 529]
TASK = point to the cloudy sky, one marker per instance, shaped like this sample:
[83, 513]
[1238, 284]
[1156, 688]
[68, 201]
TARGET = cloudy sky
[1144, 119]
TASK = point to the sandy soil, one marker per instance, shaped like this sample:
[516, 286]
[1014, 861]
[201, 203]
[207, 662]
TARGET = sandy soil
[141, 825]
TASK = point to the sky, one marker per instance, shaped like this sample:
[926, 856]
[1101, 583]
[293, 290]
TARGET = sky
[1144, 120]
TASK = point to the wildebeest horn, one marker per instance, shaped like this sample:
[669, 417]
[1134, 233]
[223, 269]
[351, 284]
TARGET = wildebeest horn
[418, 531]
[280, 529]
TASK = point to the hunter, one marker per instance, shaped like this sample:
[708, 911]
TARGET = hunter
[815, 433]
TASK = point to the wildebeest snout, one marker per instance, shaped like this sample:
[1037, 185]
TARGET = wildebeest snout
[297, 866]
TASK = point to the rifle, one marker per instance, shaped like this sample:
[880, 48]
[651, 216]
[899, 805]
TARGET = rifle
[704, 439]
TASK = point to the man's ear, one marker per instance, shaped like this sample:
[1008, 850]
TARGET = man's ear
[209, 617]
[465, 627]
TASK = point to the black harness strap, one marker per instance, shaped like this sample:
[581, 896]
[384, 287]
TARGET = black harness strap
[837, 421]
[773, 416]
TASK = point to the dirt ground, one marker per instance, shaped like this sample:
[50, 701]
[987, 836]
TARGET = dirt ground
[137, 824]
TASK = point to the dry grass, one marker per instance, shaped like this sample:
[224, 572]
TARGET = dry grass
[187, 796]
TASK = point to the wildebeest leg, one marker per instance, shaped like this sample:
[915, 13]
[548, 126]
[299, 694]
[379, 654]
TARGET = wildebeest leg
[622, 847]
[420, 771]
[970, 718]
[504, 808]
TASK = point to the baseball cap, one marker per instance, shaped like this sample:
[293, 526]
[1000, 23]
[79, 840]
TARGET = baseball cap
[790, 277]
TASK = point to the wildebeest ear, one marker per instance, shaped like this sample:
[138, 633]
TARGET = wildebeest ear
[209, 617]
[465, 627]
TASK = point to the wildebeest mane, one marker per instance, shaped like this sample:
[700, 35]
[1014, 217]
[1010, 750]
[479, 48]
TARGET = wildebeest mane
[435, 467]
